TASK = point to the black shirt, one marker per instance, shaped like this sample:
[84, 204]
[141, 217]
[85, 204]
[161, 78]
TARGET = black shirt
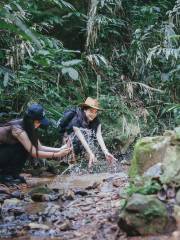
[76, 117]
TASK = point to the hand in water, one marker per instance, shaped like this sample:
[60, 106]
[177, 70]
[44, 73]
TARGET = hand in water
[92, 159]
[110, 158]
[64, 152]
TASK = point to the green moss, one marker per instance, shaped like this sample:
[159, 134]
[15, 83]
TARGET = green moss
[155, 209]
[148, 186]
[145, 214]
[40, 190]
[143, 152]
[142, 148]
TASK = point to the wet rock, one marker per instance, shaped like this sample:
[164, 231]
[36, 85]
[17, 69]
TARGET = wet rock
[71, 213]
[41, 190]
[158, 157]
[37, 226]
[65, 226]
[42, 194]
[52, 197]
[13, 202]
[93, 186]
[17, 194]
[115, 203]
[38, 197]
[4, 196]
[143, 215]
[52, 209]
[106, 187]
[24, 217]
[80, 192]
[115, 196]
[117, 182]
[154, 172]
[33, 217]
[86, 208]
[148, 151]
[69, 195]
[4, 189]
[171, 166]
[8, 219]
[13, 206]
[92, 211]
[102, 195]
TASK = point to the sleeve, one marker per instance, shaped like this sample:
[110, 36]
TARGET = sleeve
[22, 137]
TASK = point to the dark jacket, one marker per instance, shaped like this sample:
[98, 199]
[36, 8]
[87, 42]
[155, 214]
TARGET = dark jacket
[75, 117]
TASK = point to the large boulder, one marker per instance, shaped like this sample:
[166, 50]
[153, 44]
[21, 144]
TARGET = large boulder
[148, 151]
[143, 215]
[164, 150]
[171, 166]
[154, 158]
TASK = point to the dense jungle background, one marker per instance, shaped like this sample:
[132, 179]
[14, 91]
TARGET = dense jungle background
[124, 52]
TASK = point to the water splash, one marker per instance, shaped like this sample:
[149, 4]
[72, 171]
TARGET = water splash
[80, 167]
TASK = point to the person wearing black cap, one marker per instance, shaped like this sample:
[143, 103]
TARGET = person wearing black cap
[19, 140]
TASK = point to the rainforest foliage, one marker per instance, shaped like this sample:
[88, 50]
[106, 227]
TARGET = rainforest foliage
[124, 52]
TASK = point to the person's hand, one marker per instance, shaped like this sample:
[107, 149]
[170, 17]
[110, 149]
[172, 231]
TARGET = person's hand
[92, 159]
[69, 142]
[63, 152]
[110, 158]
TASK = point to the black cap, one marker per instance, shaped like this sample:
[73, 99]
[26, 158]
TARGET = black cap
[36, 112]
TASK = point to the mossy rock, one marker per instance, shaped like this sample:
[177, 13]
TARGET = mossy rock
[148, 151]
[41, 190]
[143, 215]
[171, 166]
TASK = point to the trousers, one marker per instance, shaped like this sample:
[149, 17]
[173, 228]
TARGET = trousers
[12, 158]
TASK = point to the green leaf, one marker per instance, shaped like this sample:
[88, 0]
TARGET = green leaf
[6, 79]
[72, 72]
[44, 52]
[71, 62]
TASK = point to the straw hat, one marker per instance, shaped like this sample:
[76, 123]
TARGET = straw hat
[91, 102]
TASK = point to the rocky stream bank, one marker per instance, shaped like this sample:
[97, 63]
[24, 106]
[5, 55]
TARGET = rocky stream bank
[140, 203]
[69, 207]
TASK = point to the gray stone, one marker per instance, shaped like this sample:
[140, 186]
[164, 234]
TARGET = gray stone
[148, 151]
[143, 215]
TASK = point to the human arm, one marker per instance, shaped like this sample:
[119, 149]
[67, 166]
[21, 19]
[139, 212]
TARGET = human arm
[23, 138]
[50, 149]
[109, 156]
[82, 139]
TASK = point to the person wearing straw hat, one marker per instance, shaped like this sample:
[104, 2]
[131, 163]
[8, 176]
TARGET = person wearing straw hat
[84, 117]
[19, 141]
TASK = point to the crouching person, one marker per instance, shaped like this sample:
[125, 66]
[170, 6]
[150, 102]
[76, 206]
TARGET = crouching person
[84, 117]
[19, 141]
